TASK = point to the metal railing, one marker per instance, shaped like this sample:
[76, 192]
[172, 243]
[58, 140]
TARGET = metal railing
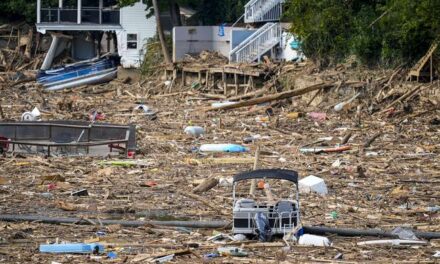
[65, 134]
[89, 15]
[263, 40]
[263, 11]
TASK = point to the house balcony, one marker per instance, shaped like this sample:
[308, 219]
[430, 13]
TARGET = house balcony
[77, 19]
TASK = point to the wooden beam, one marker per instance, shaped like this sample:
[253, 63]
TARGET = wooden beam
[278, 96]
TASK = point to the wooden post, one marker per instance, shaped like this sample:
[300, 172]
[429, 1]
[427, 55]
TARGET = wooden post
[225, 85]
[254, 181]
[236, 83]
[430, 68]
[78, 18]
[183, 78]
[207, 79]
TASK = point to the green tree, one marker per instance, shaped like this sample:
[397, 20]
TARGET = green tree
[18, 10]
[386, 32]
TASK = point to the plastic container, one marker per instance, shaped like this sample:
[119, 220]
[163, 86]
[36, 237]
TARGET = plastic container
[80, 248]
[233, 148]
[312, 240]
[195, 131]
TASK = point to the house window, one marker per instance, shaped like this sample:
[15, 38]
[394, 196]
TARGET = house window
[132, 41]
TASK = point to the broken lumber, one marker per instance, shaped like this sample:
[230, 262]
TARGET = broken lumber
[278, 96]
[372, 139]
[402, 98]
[206, 185]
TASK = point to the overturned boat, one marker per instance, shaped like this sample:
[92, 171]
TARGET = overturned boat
[81, 73]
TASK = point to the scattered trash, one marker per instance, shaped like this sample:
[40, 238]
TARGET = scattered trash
[148, 184]
[80, 248]
[95, 115]
[147, 110]
[334, 215]
[404, 233]
[437, 254]
[391, 242]
[251, 139]
[313, 184]
[226, 182]
[222, 104]
[82, 192]
[126, 163]
[223, 148]
[239, 237]
[164, 259]
[194, 131]
[336, 164]
[317, 150]
[345, 105]
[433, 209]
[312, 240]
[34, 115]
[211, 256]
[112, 255]
[47, 195]
[294, 115]
[317, 116]
[232, 251]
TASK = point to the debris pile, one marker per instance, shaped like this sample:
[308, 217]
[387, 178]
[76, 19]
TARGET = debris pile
[370, 137]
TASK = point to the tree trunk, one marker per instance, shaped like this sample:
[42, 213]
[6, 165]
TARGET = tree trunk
[175, 14]
[161, 34]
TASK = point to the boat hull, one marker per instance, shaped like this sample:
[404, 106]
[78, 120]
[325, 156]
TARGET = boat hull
[83, 73]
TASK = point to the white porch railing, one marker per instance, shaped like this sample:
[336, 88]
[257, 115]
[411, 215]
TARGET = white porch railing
[255, 46]
[263, 11]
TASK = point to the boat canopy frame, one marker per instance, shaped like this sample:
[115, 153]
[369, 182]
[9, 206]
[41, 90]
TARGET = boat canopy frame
[53, 134]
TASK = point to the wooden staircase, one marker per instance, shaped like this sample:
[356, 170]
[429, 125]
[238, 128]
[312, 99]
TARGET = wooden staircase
[419, 69]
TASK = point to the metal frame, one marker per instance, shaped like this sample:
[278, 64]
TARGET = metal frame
[278, 174]
[129, 140]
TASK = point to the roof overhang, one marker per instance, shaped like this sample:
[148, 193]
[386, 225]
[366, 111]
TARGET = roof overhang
[44, 27]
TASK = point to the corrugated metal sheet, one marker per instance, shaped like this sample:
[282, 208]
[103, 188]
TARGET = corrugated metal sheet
[134, 21]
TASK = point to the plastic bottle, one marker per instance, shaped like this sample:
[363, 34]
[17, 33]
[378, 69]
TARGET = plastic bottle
[223, 148]
[194, 131]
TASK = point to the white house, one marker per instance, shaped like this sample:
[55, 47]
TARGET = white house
[91, 27]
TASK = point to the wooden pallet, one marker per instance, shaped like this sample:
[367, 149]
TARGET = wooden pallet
[418, 69]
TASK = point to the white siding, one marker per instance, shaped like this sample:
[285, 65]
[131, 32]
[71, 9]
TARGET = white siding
[134, 21]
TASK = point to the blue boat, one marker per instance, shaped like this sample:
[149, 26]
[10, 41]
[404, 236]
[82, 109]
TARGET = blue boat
[81, 73]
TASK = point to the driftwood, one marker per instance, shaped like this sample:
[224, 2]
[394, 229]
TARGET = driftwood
[402, 98]
[206, 185]
[372, 139]
[346, 138]
[278, 96]
[202, 200]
